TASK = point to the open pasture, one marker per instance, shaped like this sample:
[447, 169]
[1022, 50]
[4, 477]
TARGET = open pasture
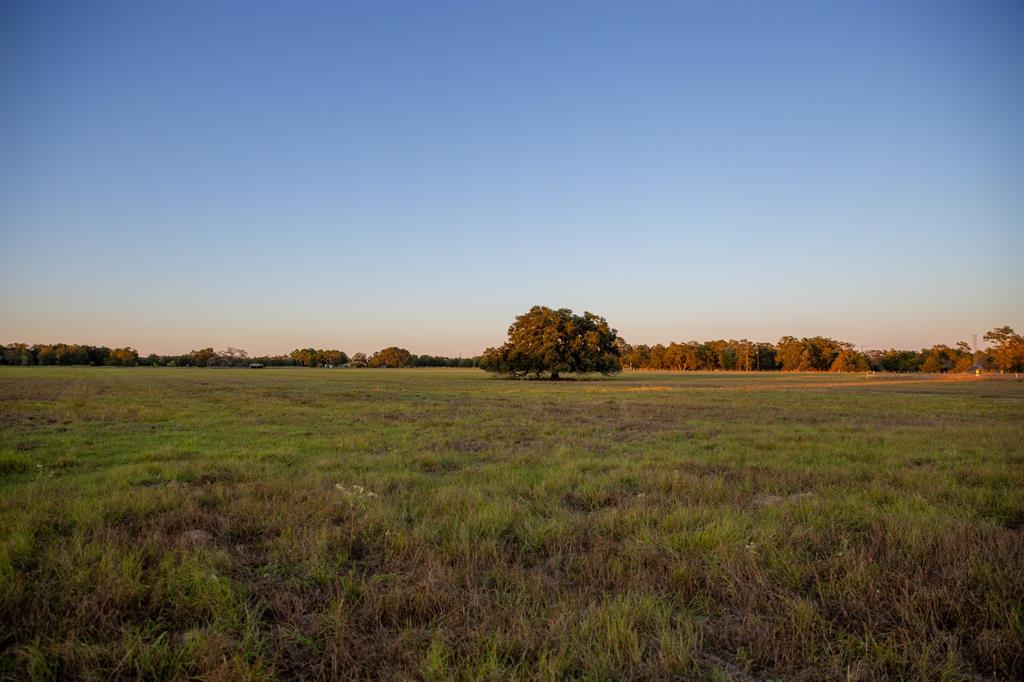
[437, 524]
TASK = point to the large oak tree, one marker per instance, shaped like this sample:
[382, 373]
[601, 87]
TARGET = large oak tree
[555, 342]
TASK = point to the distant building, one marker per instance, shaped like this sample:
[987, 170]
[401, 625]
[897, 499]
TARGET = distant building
[255, 365]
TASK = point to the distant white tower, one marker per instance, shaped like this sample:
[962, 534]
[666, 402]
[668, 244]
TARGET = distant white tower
[976, 368]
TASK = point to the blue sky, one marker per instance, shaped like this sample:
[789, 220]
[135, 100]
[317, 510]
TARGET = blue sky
[268, 176]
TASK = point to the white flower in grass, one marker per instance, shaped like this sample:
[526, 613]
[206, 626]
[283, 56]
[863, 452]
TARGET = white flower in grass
[356, 492]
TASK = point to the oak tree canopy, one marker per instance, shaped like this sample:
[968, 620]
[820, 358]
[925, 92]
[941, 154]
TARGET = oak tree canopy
[555, 342]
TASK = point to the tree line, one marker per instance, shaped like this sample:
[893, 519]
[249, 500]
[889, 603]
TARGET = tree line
[545, 340]
[99, 356]
[553, 342]
[822, 354]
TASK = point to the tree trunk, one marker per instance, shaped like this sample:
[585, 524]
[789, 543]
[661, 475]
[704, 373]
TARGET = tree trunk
[554, 375]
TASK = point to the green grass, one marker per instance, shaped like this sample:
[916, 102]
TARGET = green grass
[436, 524]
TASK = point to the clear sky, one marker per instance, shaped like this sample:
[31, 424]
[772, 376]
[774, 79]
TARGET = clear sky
[181, 175]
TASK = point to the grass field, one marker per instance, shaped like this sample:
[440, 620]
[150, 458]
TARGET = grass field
[438, 524]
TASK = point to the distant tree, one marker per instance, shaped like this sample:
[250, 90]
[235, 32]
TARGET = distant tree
[893, 360]
[232, 357]
[97, 355]
[656, 357]
[202, 357]
[1007, 349]
[17, 354]
[550, 341]
[314, 357]
[441, 361]
[635, 357]
[813, 354]
[789, 352]
[941, 358]
[675, 356]
[392, 356]
[965, 357]
[45, 354]
[334, 357]
[125, 357]
[305, 357]
[723, 354]
[849, 360]
[764, 358]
